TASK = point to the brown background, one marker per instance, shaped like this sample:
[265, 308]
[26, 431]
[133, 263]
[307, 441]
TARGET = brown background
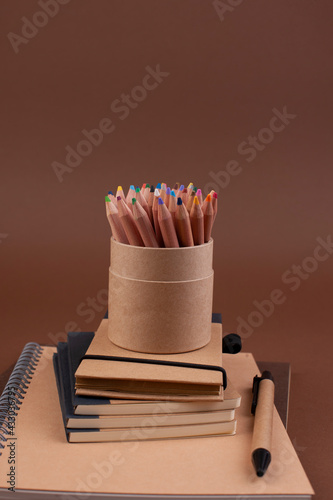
[225, 79]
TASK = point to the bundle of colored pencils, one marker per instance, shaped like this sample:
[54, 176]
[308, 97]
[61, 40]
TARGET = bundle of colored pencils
[161, 216]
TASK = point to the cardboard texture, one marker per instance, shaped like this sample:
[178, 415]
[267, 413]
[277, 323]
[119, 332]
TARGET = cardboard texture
[160, 299]
[198, 466]
[94, 376]
[262, 433]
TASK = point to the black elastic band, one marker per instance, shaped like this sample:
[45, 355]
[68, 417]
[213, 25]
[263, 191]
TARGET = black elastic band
[160, 362]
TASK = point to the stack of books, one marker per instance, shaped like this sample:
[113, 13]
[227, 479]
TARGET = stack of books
[108, 393]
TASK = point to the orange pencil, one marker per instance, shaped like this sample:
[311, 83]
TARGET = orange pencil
[208, 212]
[183, 225]
[157, 228]
[128, 223]
[144, 225]
[167, 226]
[197, 222]
[172, 205]
[117, 229]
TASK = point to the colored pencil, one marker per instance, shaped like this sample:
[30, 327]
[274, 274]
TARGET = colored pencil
[158, 233]
[172, 204]
[214, 202]
[120, 193]
[144, 225]
[128, 223]
[199, 195]
[197, 222]
[208, 212]
[129, 196]
[141, 199]
[190, 201]
[150, 204]
[146, 192]
[183, 225]
[167, 196]
[184, 196]
[116, 227]
[167, 226]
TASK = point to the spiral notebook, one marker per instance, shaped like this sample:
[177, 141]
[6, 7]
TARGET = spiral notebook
[36, 458]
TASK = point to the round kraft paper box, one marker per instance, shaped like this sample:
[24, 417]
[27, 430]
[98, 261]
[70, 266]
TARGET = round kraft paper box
[160, 299]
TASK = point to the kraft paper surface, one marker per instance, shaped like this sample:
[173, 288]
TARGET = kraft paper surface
[197, 466]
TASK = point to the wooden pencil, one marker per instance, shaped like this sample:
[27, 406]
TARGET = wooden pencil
[208, 212]
[146, 192]
[129, 196]
[167, 196]
[214, 202]
[190, 201]
[172, 204]
[167, 226]
[183, 225]
[163, 191]
[144, 225]
[199, 195]
[157, 228]
[116, 227]
[141, 199]
[150, 204]
[128, 223]
[197, 222]
[184, 196]
[120, 193]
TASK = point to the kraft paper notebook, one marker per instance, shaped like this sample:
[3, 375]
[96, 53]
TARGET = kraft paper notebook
[46, 464]
[97, 377]
[78, 343]
[159, 418]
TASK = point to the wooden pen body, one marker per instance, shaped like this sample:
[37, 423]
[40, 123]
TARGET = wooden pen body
[262, 431]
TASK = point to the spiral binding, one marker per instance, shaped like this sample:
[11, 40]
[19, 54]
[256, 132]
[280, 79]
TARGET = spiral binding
[15, 389]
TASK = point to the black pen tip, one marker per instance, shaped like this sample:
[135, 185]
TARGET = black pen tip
[261, 459]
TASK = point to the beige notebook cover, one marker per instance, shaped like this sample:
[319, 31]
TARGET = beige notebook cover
[103, 377]
[46, 462]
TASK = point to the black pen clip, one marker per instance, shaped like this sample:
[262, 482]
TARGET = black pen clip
[255, 388]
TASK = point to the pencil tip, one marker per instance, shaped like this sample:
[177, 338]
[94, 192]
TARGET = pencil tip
[181, 187]
[133, 201]
[111, 193]
[132, 187]
[199, 192]
[138, 189]
[158, 186]
[196, 200]
[168, 190]
[147, 185]
[195, 189]
[157, 193]
[214, 195]
[173, 193]
[119, 188]
[209, 198]
[160, 201]
[152, 189]
[118, 198]
[179, 201]
[107, 198]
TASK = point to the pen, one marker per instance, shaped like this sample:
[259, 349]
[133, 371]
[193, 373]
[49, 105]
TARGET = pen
[262, 408]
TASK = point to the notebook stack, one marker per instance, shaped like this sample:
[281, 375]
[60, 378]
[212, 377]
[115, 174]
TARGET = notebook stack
[110, 394]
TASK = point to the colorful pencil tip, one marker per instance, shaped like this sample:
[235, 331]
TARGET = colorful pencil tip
[209, 198]
[199, 192]
[147, 185]
[152, 189]
[160, 201]
[111, 193]
[196, 200]
[214, 195]
[158, 186]
[132, 187]
[133, 201]
[118, 198]
[138, 189]
[179, 201]
[157, 193]
[181, 187]
[195, 189]
[107, 198]
[119, 188]
[168, 190]
[173, 193]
